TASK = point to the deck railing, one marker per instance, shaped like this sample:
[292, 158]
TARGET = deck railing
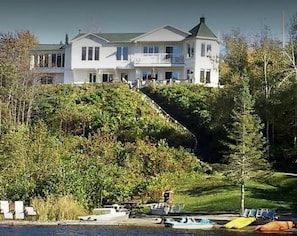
[159, 58]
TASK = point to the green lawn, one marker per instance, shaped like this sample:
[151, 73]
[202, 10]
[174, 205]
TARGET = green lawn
[211, 193]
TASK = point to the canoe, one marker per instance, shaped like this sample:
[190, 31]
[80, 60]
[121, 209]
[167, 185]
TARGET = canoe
[275, 226]
[240, 222]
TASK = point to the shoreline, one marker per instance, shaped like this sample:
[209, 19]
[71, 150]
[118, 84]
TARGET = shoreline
[147, 221]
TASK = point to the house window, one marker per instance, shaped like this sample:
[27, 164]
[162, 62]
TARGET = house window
[40, 59]
[205, 76]
[149, 75]
[92, 78]
[172, 75]
[175, 75]
[203, 50]
[190, 75]
[122, 53]
[83, 53]
[208, 49]
[124, 77]
[90, 53]
[125, 53]
[107, 77]
[46, 60]
[146, 75]
[59, 60]
[54, 60]
[96, 53]
[63, 60]
[202, 76]
[190, 51]
[208, 76]
[150, 50]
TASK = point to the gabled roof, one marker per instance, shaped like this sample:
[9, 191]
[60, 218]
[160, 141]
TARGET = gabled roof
[48, 47]
[169, 27]
[129, 37]
[119, 37]
[202, 30]
[110, 37]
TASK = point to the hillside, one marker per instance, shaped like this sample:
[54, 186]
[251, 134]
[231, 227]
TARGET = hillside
[98, 143]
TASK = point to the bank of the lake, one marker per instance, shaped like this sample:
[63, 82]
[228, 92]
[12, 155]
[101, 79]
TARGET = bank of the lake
[144, 222]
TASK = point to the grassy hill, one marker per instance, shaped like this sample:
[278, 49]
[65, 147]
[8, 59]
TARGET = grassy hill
[212, 193]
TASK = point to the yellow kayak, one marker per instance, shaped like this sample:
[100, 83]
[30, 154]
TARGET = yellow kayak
[239, 222]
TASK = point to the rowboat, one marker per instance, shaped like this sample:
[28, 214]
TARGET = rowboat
[189, 223]
[105, 214]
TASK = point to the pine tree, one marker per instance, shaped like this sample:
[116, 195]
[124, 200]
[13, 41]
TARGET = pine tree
[247, 144]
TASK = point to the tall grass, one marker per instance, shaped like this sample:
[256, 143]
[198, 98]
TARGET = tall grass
[56, 209]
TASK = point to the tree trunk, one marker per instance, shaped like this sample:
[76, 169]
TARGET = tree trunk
[242, 207]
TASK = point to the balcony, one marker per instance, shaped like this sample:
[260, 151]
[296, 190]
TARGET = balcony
[158, 59]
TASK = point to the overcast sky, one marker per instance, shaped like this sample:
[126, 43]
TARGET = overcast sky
[51, 20]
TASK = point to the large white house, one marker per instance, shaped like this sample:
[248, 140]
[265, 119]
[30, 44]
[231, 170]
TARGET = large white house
[162, 55]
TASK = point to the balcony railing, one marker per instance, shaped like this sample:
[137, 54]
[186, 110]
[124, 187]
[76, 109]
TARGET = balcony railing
[158, 58]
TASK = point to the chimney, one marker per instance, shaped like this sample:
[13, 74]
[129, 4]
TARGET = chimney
[202, 19]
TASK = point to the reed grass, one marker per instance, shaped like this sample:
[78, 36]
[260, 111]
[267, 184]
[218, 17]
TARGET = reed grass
[56, 209]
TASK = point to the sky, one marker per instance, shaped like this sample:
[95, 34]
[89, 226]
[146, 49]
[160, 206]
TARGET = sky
[50, 20]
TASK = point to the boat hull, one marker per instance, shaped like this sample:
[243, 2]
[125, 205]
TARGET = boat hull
[105, 214]
[189, 223]
[194, 226]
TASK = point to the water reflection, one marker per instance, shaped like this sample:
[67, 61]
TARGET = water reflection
[112, 231]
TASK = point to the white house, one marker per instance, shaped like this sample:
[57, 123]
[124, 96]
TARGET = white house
[162, 55]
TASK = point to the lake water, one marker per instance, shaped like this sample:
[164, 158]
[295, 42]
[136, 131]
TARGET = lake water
[83, 230]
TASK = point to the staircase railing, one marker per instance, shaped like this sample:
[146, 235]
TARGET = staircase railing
[172, 119]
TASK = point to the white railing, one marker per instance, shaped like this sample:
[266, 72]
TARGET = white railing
[158, 58]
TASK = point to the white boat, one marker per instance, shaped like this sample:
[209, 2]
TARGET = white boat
[189, 223]
[105, 214]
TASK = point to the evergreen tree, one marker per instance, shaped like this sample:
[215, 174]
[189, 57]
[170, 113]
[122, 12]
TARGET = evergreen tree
[247, 144]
